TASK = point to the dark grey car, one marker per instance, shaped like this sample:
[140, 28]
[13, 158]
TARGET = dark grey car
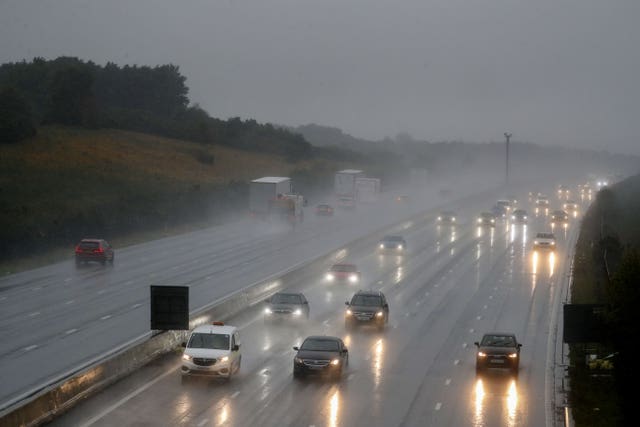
[320, 355]
[289, 307]
[498, 350]
[367, 308]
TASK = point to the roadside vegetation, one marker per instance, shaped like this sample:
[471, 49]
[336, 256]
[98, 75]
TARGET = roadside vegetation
[604, 375]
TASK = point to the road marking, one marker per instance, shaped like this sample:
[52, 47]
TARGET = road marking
[325, 322]
[37, 288]
[130, 282]
[71, 331]
[128, 397]
[471, 331]
[478, 317]
[105, 317]
[464, 345]
[418, 302]
[490, 296]
[34, 314]
[3, 298]
[136, 305]
[203, 422]
[71, 301]
[485, 307]
[102, 291]
[234, 395]
[31, 347]
[438, 406]
[350, 377]
[426, 294]
[456, 362]
[68, 279]
[448, 381]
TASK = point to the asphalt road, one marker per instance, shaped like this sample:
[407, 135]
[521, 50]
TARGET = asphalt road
[56, 319]
[452, 285]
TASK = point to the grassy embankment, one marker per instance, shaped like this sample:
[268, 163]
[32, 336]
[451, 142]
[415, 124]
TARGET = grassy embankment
[66, 183]
[610, 226]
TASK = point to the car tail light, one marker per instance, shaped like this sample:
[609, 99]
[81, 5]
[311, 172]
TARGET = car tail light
[78, 250]
[99, 250]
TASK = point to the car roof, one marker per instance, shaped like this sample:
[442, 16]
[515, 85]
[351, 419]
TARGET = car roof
[499, 333]
[289, 293]
[393, 237]
[91, 240]
[323, 337]
[486, 213]
[343, 264]
[545, 234]
[369, 292]
[215, 329]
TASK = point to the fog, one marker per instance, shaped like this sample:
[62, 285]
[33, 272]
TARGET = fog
[551, 73]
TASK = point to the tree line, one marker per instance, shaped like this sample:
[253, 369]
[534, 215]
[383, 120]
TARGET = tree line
[69, 91]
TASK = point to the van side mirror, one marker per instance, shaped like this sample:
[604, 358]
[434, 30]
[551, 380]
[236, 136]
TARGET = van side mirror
[236, 347]
[296, 348]
[183, 344]
[477, 344]
[346, 303]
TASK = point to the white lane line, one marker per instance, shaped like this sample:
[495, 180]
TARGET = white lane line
[203, 422]
[31, 347]
[438, 406]
[490, 296]
[102, 291]
[136, 305]
[71, 331]
[130, 282]
[464, 345]
[426, 294]
[37, 288]
[350, 377]
[128, 397]
[68, 279]
[485, 307]
[456, 362]
[34, 314]
[448, 381]
[108, 316]
[325, 322]
[479, 318]
[3, 298]
[234, 395]
[471, 331]
[418, 302]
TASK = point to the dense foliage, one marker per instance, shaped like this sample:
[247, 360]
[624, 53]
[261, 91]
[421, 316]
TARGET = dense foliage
[69, 91]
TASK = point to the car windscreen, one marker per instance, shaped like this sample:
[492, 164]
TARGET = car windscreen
[344, 268]
[320, 345]
[392, 239]
[498, 341]
[286, 299]
[211, 341]
[367, 300]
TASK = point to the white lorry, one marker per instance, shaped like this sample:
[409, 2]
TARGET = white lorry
[367, 189]
[345, 185]
[263, 190]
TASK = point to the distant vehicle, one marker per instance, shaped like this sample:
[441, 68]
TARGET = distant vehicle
[498, 350]
[287, 208]
[563, 191]
[513, 200]
[213, 351]
[519, 216]
[367, 308]
[486, 218]
[367, 190]
[542, 201]
[343, 273]
[585, 190]
[499, 211]
[559, 216]
[286, 307]
[505, 204]
[347, 202]
[570, 206]
[394, 244]
[321, 355]
[545, 241]
[263, 190]
[324, 209]
[447, 218]
[94, 250]
[345, 182]
[402, 198]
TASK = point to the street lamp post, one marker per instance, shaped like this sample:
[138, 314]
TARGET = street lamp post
[508, 137]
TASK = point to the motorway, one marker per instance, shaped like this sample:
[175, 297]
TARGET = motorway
[453, 284]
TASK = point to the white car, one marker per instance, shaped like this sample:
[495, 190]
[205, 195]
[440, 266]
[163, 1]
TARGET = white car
[213, 351]
[545, 241]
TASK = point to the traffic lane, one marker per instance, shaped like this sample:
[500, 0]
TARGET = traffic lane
[270, 377]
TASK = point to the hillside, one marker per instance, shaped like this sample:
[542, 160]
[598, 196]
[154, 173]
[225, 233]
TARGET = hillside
[68, 182]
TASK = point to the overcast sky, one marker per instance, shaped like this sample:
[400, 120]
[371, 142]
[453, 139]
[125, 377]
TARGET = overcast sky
[551, 72]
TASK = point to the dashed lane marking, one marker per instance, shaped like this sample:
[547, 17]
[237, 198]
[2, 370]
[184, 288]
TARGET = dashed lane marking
[71, 331]
[108, 316]
[448, 381]
[438, 406]
[456, 362]
[136, 305]
[350, 377]
[464, 345]
[234, 395]
[31, 347]
[203, 422]
[34, 314]
[71, 301]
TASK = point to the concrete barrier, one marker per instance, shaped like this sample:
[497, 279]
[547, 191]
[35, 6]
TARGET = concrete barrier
[56, 398]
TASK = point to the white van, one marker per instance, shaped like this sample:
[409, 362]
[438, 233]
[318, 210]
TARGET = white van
[213, 351]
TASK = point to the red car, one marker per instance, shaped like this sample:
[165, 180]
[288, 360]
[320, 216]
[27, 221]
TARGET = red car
[98, 250]
[343, 273]
[324, 210]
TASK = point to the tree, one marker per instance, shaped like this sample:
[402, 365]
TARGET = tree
[71, 100]
[16, 120]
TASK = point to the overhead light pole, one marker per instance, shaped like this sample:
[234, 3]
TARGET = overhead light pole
[507, 135]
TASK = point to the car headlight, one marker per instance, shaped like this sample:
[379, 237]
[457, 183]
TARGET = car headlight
[439, 218]
[493, 220]
[479, 219]
[267, 310]
[353, 278]
[335, 362]
[224, 359]
[535, 242]
[186, 357]
[453, 219]
[298, 312]
[297, 360]
[380, 314]
[525, 217]
[553, 243]
[349, 312]
[513, 355]
[330, 277]
[400, 247]
[381, 245]
[481, 354]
